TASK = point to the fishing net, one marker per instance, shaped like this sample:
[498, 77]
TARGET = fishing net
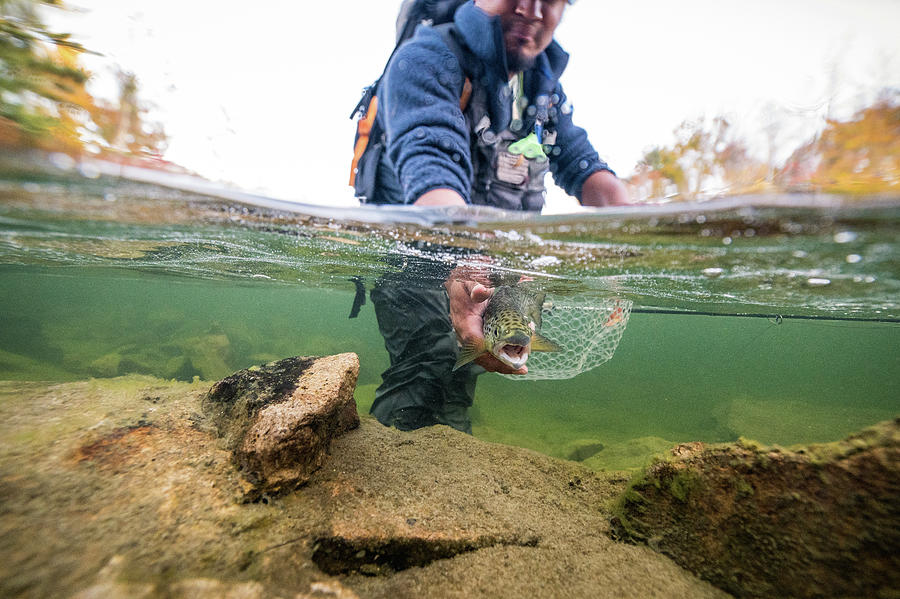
[587, 328]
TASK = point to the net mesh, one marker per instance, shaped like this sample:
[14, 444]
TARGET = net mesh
[587, 329]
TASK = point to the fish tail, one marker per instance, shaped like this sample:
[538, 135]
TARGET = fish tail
[468, 352]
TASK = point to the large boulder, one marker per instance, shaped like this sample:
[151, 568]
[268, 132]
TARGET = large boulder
[819, 521]
[278, 420]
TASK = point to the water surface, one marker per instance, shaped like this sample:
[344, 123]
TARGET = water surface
[773, 318]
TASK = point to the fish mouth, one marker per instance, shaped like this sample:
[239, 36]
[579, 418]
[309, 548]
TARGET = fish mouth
[513, 355]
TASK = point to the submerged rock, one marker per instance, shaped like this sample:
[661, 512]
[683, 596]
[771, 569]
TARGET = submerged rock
[209, 354]
[278, 420]
[821, 521]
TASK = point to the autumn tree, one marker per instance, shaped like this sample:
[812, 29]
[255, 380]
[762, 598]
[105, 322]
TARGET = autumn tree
[660, 173]
[861, 155]
[704, 156]
[44, 100]
[123, 125]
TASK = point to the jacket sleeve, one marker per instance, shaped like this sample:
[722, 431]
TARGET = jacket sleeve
[577, 159]
[426, 132]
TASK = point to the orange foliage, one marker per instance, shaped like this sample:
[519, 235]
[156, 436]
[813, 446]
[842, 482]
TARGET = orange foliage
[861, 155]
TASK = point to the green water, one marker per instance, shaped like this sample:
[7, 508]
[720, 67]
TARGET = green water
[102, 278]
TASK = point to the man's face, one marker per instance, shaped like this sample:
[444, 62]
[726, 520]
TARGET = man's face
[528, 27]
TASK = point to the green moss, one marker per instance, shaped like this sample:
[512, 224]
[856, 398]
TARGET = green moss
[743, 487]
[632, 495]
[882, 434]
[683, 484]
[750, 444]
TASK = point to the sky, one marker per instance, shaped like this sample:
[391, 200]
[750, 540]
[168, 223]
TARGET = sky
[258, 95]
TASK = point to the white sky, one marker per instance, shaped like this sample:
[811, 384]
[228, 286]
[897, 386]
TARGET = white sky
[259, 94]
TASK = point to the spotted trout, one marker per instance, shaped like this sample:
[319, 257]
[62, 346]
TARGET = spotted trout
[512, 320]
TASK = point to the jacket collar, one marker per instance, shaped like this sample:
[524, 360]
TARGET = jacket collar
[483, 35]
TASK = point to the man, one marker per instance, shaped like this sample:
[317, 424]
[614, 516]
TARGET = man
[492, 148]
[438, 154]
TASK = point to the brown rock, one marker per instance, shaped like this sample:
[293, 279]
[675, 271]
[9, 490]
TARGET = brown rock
[279, 420]
[819, 521]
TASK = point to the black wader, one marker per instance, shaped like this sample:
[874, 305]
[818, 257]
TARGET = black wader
[419, 388]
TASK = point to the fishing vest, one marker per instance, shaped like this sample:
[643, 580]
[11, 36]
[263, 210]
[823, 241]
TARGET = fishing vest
[501, 178]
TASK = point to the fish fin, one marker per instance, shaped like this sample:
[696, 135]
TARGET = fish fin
[468, 352]
[536, 307]
[541, 343]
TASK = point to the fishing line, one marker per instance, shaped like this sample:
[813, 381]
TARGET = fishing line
[777, 317]
[774, 321]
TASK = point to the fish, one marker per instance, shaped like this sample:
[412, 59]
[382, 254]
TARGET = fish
[512, 321]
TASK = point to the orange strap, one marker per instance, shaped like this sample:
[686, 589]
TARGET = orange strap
[466, 94]
[364, 127]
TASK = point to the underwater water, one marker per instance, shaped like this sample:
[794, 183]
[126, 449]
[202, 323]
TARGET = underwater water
[765, 317]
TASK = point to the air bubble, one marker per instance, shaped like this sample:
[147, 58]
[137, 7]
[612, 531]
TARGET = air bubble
[818, 282]
[844, 237]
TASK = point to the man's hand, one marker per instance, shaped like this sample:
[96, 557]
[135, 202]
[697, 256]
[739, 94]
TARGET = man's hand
[468, 300]
[440, 197]
[604, 189]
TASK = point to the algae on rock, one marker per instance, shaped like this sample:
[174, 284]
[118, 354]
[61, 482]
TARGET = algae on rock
[820, 521]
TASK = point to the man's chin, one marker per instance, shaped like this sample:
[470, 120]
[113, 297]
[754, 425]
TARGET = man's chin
[518, 60]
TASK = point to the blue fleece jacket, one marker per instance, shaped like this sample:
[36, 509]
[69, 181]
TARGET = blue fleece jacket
[428, 138]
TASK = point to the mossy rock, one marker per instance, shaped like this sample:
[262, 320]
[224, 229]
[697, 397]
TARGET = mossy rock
[757, 521]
